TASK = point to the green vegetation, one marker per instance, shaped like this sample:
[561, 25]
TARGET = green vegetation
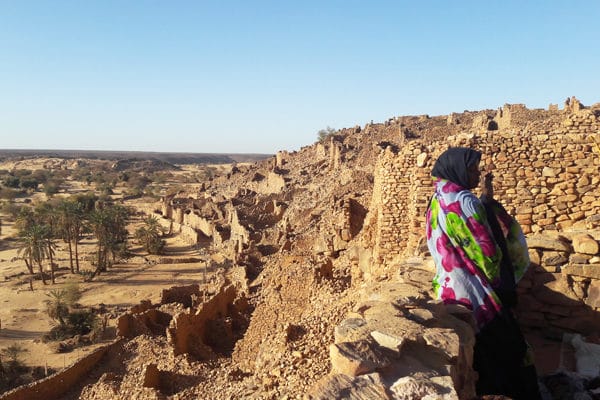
[10, 209]
[51, 187]
[71, 226]
[325, 134]
[11, 367]
[8, 193]
[149, 235]
[62, 308]
[57, 307]
[40, 226]
[108, 223]
[72, 293]
[13, 353]
[36, 246]
[13, 372]
[68, 219]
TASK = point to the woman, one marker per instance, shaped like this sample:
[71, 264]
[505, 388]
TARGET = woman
[480, 254]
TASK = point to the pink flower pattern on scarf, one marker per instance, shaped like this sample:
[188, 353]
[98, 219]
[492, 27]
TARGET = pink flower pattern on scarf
[461, 278]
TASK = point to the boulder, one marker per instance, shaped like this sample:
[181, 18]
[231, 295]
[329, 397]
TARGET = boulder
[356, 358]
[593, 299]
[586, 244]
[351, 329]
[340, 386]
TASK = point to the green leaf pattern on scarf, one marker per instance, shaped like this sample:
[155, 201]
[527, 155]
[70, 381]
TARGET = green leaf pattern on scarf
[461, 236]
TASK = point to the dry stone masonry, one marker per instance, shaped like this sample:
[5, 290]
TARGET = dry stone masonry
[547, 175]
[324, 290]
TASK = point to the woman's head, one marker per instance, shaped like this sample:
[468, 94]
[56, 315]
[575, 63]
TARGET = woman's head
[459, 165]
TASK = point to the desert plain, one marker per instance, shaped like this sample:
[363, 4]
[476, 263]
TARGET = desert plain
[23, 316]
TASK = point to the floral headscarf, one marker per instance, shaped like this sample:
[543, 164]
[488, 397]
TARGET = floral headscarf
[466, 256]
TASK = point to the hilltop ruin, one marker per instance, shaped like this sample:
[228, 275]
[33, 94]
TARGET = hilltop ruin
[323, 283]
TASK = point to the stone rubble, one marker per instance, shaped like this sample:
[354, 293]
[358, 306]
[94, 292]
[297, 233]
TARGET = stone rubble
[322, 287]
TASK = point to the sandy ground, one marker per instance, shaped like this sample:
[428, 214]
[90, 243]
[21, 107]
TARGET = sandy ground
[23, 314]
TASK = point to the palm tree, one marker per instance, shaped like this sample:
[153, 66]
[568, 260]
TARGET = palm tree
[85, 205]
[99, 224]
[24, 219]
[35, 246]
[47, 214]
[150, 234]
[64, 211]
[51, 247]
[70, 227]
[57, 306]
[108, 223]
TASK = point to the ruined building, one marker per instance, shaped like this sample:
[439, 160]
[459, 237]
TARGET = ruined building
[325, 285]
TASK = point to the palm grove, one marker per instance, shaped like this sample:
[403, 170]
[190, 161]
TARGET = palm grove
[93, 217]
[69, 219]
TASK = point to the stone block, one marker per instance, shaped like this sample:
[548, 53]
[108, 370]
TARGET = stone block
[422, 160]
[585, 244]
[585, 270]
[557, 310]
[547, 242]
[409, 387]
[356, 358]
[528, 302]
[557, 292]
[593, 298]
[340, 386]
[554, 258]
[577, 258]
[532, 316]
[444, 340]
[389, 341]
[351, 329]
[584, 325]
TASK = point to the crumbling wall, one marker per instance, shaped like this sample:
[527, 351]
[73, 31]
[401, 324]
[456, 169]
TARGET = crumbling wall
[546, 175]
[55, 386]
[180, 294]
[548, 180]
[240, 236]
[561, 291]
[273, 184]
[199, 223]
[400, 199]
[189, 331]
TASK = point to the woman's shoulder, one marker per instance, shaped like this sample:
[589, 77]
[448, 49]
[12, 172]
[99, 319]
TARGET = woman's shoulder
[469, 202]
[467, 195]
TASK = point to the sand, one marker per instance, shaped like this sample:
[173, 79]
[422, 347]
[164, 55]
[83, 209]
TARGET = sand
[23, 314]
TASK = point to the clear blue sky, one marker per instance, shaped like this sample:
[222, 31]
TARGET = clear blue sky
[262, 76]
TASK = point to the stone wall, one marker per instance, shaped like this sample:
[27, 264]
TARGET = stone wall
[546, 175]
[55, 386]
[190, 332]
[561, 291]
[199, 223]
[274, 183]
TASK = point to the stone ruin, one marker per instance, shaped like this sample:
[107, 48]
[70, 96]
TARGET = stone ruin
[344, 219]
[547, 176]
